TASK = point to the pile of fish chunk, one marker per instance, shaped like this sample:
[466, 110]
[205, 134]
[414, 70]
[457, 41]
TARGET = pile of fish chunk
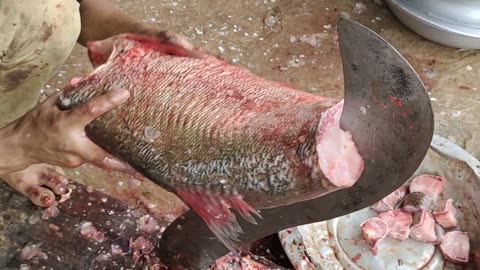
[418, 212]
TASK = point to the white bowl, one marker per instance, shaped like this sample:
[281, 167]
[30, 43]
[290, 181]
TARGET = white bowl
[454, 23]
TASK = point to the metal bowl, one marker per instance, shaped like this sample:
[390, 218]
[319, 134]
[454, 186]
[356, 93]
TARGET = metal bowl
[337, 244]
[454, 23]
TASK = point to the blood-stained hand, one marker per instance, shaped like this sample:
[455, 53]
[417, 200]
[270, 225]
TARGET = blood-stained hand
[47, 135]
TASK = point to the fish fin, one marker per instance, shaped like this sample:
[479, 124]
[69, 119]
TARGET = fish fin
[214, 209]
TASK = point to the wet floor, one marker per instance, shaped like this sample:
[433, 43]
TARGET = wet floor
[293, 42]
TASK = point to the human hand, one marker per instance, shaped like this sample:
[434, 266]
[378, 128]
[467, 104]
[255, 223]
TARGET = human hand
[99, 51]
[48, 135]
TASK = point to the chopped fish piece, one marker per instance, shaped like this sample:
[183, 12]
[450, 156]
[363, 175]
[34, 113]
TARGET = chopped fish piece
[431, 185]
[423, 228]
[398, 223]
[446, 217]
[455, 246]
[416, 201]
[390, 202]
[373, 231]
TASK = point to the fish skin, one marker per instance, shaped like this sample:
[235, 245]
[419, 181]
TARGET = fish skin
[223, 131]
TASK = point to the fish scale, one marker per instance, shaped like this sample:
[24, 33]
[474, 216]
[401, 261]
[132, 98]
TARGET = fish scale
[228, 139]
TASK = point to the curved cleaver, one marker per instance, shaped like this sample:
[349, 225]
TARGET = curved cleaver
[389, 114]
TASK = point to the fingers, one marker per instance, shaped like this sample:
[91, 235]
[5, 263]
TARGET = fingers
[176, 39]
[55, 181]
[38, 195]
[52, 99]
[100, 158]
[99, 105]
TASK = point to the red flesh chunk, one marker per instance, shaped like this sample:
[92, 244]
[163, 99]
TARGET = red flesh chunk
[373, 231]
[455, 246]
[431, 185]
[398, 223]
[424, 229]
[390, 202]
[446, 217]
[338, 157]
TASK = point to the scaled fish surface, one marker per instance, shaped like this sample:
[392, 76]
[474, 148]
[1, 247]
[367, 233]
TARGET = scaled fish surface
[215, 134]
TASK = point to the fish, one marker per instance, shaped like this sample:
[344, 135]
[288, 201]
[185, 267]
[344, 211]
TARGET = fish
[416, 201]
[398, 223]
[390, 202]
[374, 230]
[423, 227]
[455, 246]
[224, 140]
[446, 217]
[431, 185]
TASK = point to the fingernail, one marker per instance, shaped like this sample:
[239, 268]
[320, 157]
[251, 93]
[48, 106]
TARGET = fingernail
[121, 166]
[61, 189]
[45, 198]
[64, 180]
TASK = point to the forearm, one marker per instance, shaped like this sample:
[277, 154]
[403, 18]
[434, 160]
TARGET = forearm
[101, 19]
[13, 156]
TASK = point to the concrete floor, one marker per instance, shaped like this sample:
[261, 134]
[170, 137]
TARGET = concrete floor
[293, 42]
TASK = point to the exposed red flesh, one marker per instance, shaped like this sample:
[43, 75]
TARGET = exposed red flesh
[447, 216]
[423, 229]
[338, 156]
[29, 251]
[373, 231]
[90, 232]
[214, 210]
[416, 201]
[390, 202]
[147, 224]
[431, 185]
[140, 246]
[455, 246]
[398, 223]
[74, 80]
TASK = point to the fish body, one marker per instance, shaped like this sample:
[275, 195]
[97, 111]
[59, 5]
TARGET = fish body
[217, 135]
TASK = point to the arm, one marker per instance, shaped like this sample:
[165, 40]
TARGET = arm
[100, 19]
